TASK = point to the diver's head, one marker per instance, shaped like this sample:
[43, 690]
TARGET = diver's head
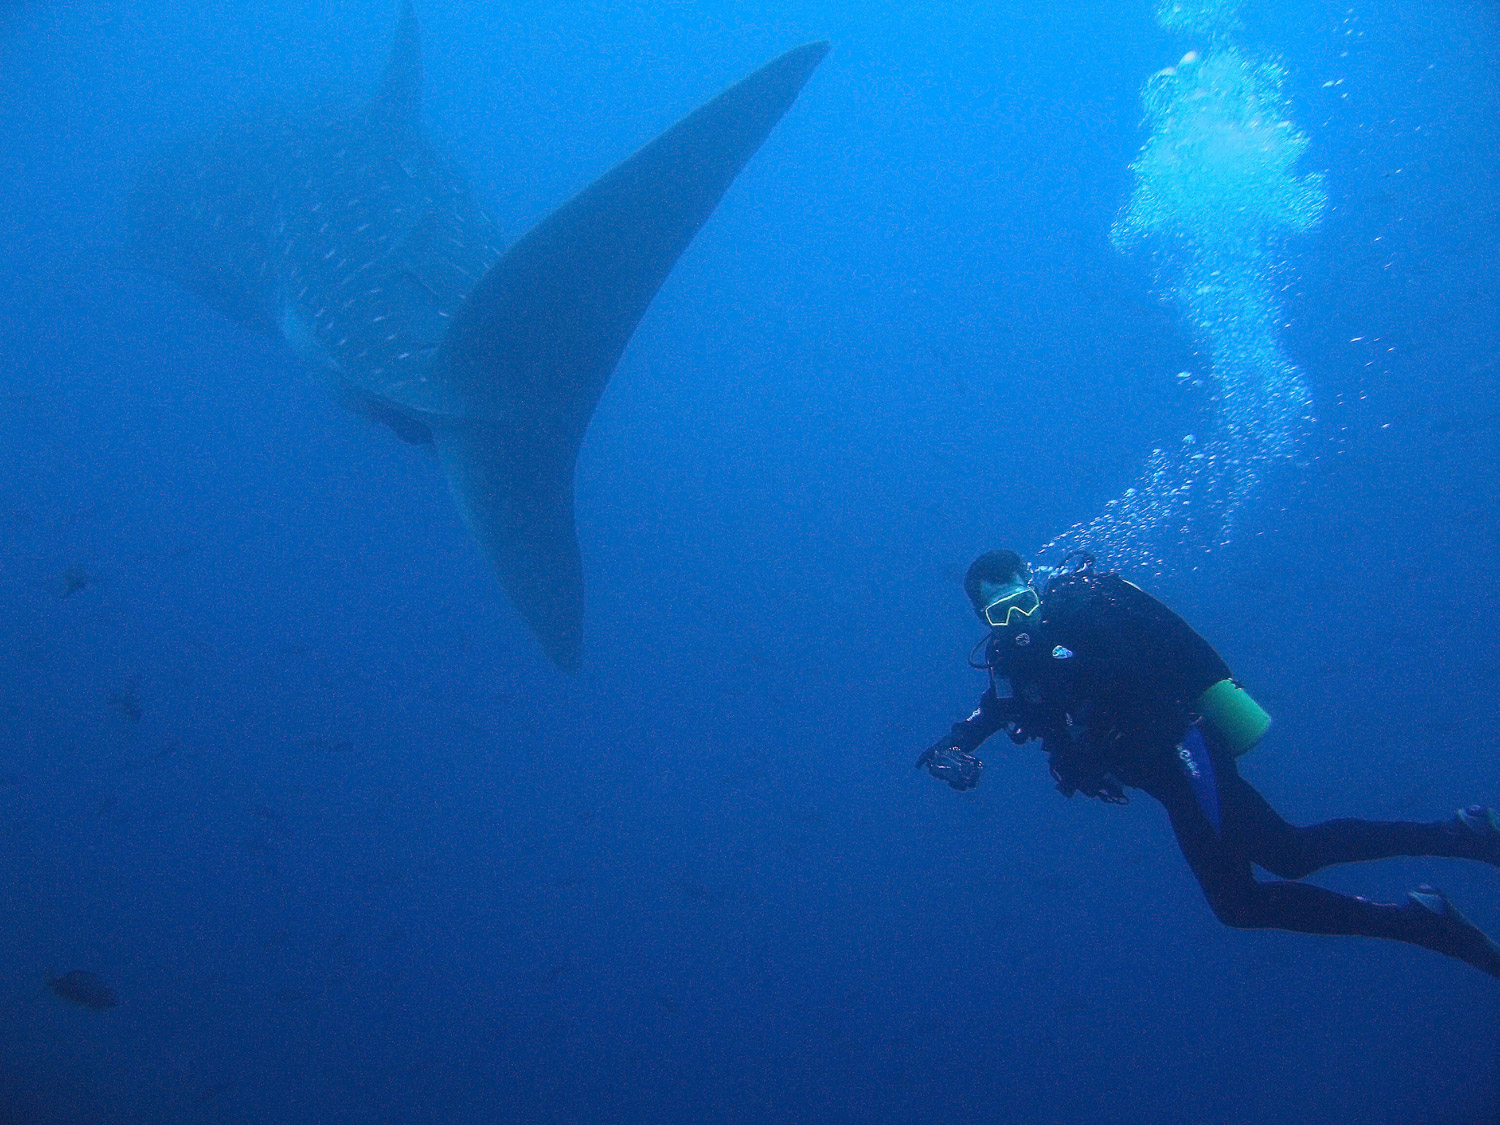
[999, 588]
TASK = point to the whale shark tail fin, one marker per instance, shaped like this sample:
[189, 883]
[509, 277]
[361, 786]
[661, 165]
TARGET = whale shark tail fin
[515, 490]
[530, 350]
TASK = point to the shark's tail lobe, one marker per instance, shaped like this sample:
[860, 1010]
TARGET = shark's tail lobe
[515, 490]
[530, 350]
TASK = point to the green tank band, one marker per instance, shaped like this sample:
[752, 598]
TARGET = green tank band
[1234, 718]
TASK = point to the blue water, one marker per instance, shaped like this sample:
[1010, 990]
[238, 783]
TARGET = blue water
[289, 774]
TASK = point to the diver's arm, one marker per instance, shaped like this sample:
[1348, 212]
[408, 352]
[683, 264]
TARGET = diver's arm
[952, 759]
[991, 716]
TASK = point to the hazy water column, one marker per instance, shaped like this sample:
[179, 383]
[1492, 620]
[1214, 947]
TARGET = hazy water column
[1215, 199]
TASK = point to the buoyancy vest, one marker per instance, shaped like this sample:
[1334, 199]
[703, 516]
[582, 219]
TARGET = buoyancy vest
[1111, 657]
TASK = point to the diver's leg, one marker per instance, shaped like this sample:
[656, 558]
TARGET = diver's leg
[1292, 852]
[1238, 899]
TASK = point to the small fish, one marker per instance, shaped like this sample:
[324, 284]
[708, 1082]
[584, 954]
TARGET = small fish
[694, 891]
[127, 700]
[155, 758]
[315, 745]
[217, 1090]
[75, 578]
[84, 989]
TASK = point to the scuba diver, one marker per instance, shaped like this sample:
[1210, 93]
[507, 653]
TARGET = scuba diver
[1124, 694]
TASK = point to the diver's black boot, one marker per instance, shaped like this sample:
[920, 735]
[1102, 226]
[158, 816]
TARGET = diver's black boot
[1443, 928]
[1481, 827]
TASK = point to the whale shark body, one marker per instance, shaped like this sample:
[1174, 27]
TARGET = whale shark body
[360, 245]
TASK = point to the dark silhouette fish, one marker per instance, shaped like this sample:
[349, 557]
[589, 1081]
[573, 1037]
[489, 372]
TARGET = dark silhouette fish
[217, 1090]
[84, 989]
[127, 701]
[358, 245]
[316, 744]
[75, 578]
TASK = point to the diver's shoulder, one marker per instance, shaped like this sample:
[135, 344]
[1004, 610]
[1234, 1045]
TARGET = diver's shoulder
[1072, 591]
[1095, 595]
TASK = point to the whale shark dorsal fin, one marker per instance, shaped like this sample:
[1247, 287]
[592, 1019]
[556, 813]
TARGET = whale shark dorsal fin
[398, 102]
[529, 351]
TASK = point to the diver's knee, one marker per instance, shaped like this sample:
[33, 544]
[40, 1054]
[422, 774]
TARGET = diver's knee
[1292, 863]
[1240, 912]
[1287, 854]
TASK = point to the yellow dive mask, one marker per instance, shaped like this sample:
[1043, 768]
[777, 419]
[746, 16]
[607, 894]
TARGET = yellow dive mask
[1022, 601]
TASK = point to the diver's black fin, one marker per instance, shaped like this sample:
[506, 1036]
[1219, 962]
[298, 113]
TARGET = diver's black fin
[530, 350]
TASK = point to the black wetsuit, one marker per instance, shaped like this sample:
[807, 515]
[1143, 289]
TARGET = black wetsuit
[1107, 681]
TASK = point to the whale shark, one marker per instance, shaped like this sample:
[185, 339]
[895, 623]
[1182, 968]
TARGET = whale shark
[359, 244]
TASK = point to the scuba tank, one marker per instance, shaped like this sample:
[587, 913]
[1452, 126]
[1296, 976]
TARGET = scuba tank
[1236, 721]
[1227, 713]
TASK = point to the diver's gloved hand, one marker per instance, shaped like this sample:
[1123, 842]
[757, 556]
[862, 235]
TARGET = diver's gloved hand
[953, 764]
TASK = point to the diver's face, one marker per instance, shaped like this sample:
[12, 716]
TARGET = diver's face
[1009, 605]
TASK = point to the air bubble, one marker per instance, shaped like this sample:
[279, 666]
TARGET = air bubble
[1216, 198]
